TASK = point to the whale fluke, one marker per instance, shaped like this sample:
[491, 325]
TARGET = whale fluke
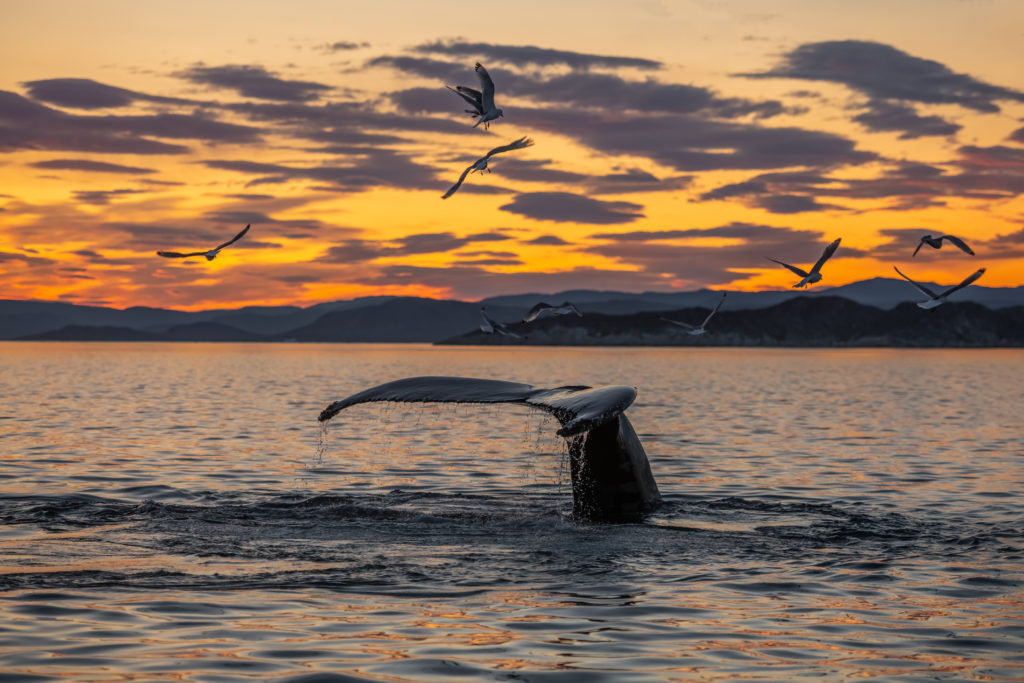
[611, 476]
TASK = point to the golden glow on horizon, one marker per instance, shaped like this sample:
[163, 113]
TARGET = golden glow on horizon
[88, 236]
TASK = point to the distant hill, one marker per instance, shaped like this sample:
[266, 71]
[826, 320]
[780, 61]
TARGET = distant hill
[397, 320]
[93, 333]
[803, 321]
[411, 319]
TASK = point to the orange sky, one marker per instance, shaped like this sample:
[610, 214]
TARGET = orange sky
[677, 145]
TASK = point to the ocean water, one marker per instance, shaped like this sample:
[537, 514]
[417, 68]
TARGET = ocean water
[172, 512]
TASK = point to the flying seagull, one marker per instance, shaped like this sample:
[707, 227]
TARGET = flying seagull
[936, 243]
[481, 163]
[815, 274]
[939, 299]
[482, 102]
[490, 326]
[697, 329]
[211, 254]
[543, 310]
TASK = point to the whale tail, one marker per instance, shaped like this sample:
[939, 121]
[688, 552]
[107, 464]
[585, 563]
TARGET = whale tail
[611, 476]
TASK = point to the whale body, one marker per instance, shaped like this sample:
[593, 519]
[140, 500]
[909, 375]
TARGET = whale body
[611, 476]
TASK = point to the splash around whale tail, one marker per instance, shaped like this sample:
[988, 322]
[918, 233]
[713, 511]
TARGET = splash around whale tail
[611, 476]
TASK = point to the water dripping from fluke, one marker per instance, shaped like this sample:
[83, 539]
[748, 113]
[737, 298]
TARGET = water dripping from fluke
[611, 476]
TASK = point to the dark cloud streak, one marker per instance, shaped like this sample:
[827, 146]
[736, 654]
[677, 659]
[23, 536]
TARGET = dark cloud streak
[254, 81]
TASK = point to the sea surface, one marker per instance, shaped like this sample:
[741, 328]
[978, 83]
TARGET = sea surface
[173, 512]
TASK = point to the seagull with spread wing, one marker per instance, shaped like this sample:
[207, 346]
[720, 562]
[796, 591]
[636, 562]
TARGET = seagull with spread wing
[936, 243]
[543, 310]
[481, 100]
[809, 278]
[481, 163]
[939, 299]
[697, 329]
[490, 326]
[211, 254]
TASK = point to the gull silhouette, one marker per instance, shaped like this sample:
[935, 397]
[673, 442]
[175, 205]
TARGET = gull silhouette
[481, 163]
[939, 299]
[936, 243]
[210, 255]
[815, 274]
[697, 329]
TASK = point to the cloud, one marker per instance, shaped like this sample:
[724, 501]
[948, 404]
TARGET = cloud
[883, 115]
[993, 158]
[881, 71]
[620, 182]
[90, 166]
[675, 125]
[692, 143]
[372, 168]
[565, 207]
[85, 93]
[711, 265]
[982, 173]
[547, 240]
[357, 250]
[1017, 135]
[537, 56]
[27, 125]
[344, 122]
[249, 196]
[602, 91]
[492, 261]
[791, 203]
[436, 69]
[254, 81]
[9, 256]
[102, 197]
[345, 45]
[612, 93]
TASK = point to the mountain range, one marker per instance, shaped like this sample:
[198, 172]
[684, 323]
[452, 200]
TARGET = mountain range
[411, 319]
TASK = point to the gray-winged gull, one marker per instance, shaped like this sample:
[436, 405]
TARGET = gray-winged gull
[481, 100]
[481, 163]
[939, 299]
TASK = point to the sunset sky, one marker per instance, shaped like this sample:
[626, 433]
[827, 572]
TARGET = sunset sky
[678, 144]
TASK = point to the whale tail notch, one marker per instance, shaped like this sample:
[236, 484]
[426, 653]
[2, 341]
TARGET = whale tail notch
[611, 476]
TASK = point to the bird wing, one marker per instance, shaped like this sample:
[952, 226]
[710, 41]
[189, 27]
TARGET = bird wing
[234, 239]
[521, 143]
[577, 408]
[968, 280]
[468, 94]
[686, 326]
[458, 183]
[825, 255]
[503, 329]
[487, 86]
[921, 287]
[175, 254]
[919, 245]
[796, 270]
[714, 310]
[956, 241]
[535, 312]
